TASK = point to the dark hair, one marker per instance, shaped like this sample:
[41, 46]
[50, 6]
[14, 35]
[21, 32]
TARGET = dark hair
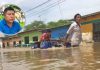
[8, 8]
[48, 30]
[76, 16]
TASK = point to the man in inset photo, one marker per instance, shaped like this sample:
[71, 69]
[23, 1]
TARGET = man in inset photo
[8, 25]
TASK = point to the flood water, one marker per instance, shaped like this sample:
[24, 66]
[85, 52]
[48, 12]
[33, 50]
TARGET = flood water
[79, 58]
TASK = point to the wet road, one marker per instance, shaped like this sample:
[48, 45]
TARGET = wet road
[79, 58]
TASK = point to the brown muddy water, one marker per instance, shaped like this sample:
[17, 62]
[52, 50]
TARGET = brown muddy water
[85, 57]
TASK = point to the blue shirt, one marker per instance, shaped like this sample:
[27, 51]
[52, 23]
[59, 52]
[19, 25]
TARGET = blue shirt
[9, 30]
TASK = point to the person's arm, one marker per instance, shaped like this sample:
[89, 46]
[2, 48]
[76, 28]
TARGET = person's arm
[70, 30]
[67, 35]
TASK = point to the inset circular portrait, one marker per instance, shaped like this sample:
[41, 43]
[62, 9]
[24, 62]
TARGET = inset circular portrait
[12, 19]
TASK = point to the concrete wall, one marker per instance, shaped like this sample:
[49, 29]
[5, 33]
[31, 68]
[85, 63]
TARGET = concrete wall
[87, 36]
[30, 35]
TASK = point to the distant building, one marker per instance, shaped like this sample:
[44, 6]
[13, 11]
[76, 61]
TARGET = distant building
[23, 38]
[11, 41]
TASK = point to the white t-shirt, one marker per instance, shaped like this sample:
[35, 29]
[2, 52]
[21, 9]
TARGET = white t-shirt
[75, 35]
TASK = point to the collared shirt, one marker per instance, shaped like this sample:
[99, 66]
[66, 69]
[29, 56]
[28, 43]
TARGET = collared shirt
[9, 30]
[75, 35]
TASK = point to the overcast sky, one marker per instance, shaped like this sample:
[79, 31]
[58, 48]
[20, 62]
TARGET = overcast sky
[54, 10]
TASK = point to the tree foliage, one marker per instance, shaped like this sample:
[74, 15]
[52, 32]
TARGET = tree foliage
[42, 25]
[35, 25]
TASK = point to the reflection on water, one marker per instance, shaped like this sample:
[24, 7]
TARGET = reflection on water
[78, 58]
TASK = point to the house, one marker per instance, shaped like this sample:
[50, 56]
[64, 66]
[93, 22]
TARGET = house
[22, 39]
[91, 27]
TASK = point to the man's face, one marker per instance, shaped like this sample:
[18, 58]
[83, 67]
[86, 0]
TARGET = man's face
[78, 18]
[9, 16]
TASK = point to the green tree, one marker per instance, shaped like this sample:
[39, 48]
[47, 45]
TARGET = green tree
[42, 25]
[58, 23]
[35, 25]
[51, 24]
[63, 22]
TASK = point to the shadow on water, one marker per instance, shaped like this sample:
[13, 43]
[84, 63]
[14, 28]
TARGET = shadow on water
[78, 58]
